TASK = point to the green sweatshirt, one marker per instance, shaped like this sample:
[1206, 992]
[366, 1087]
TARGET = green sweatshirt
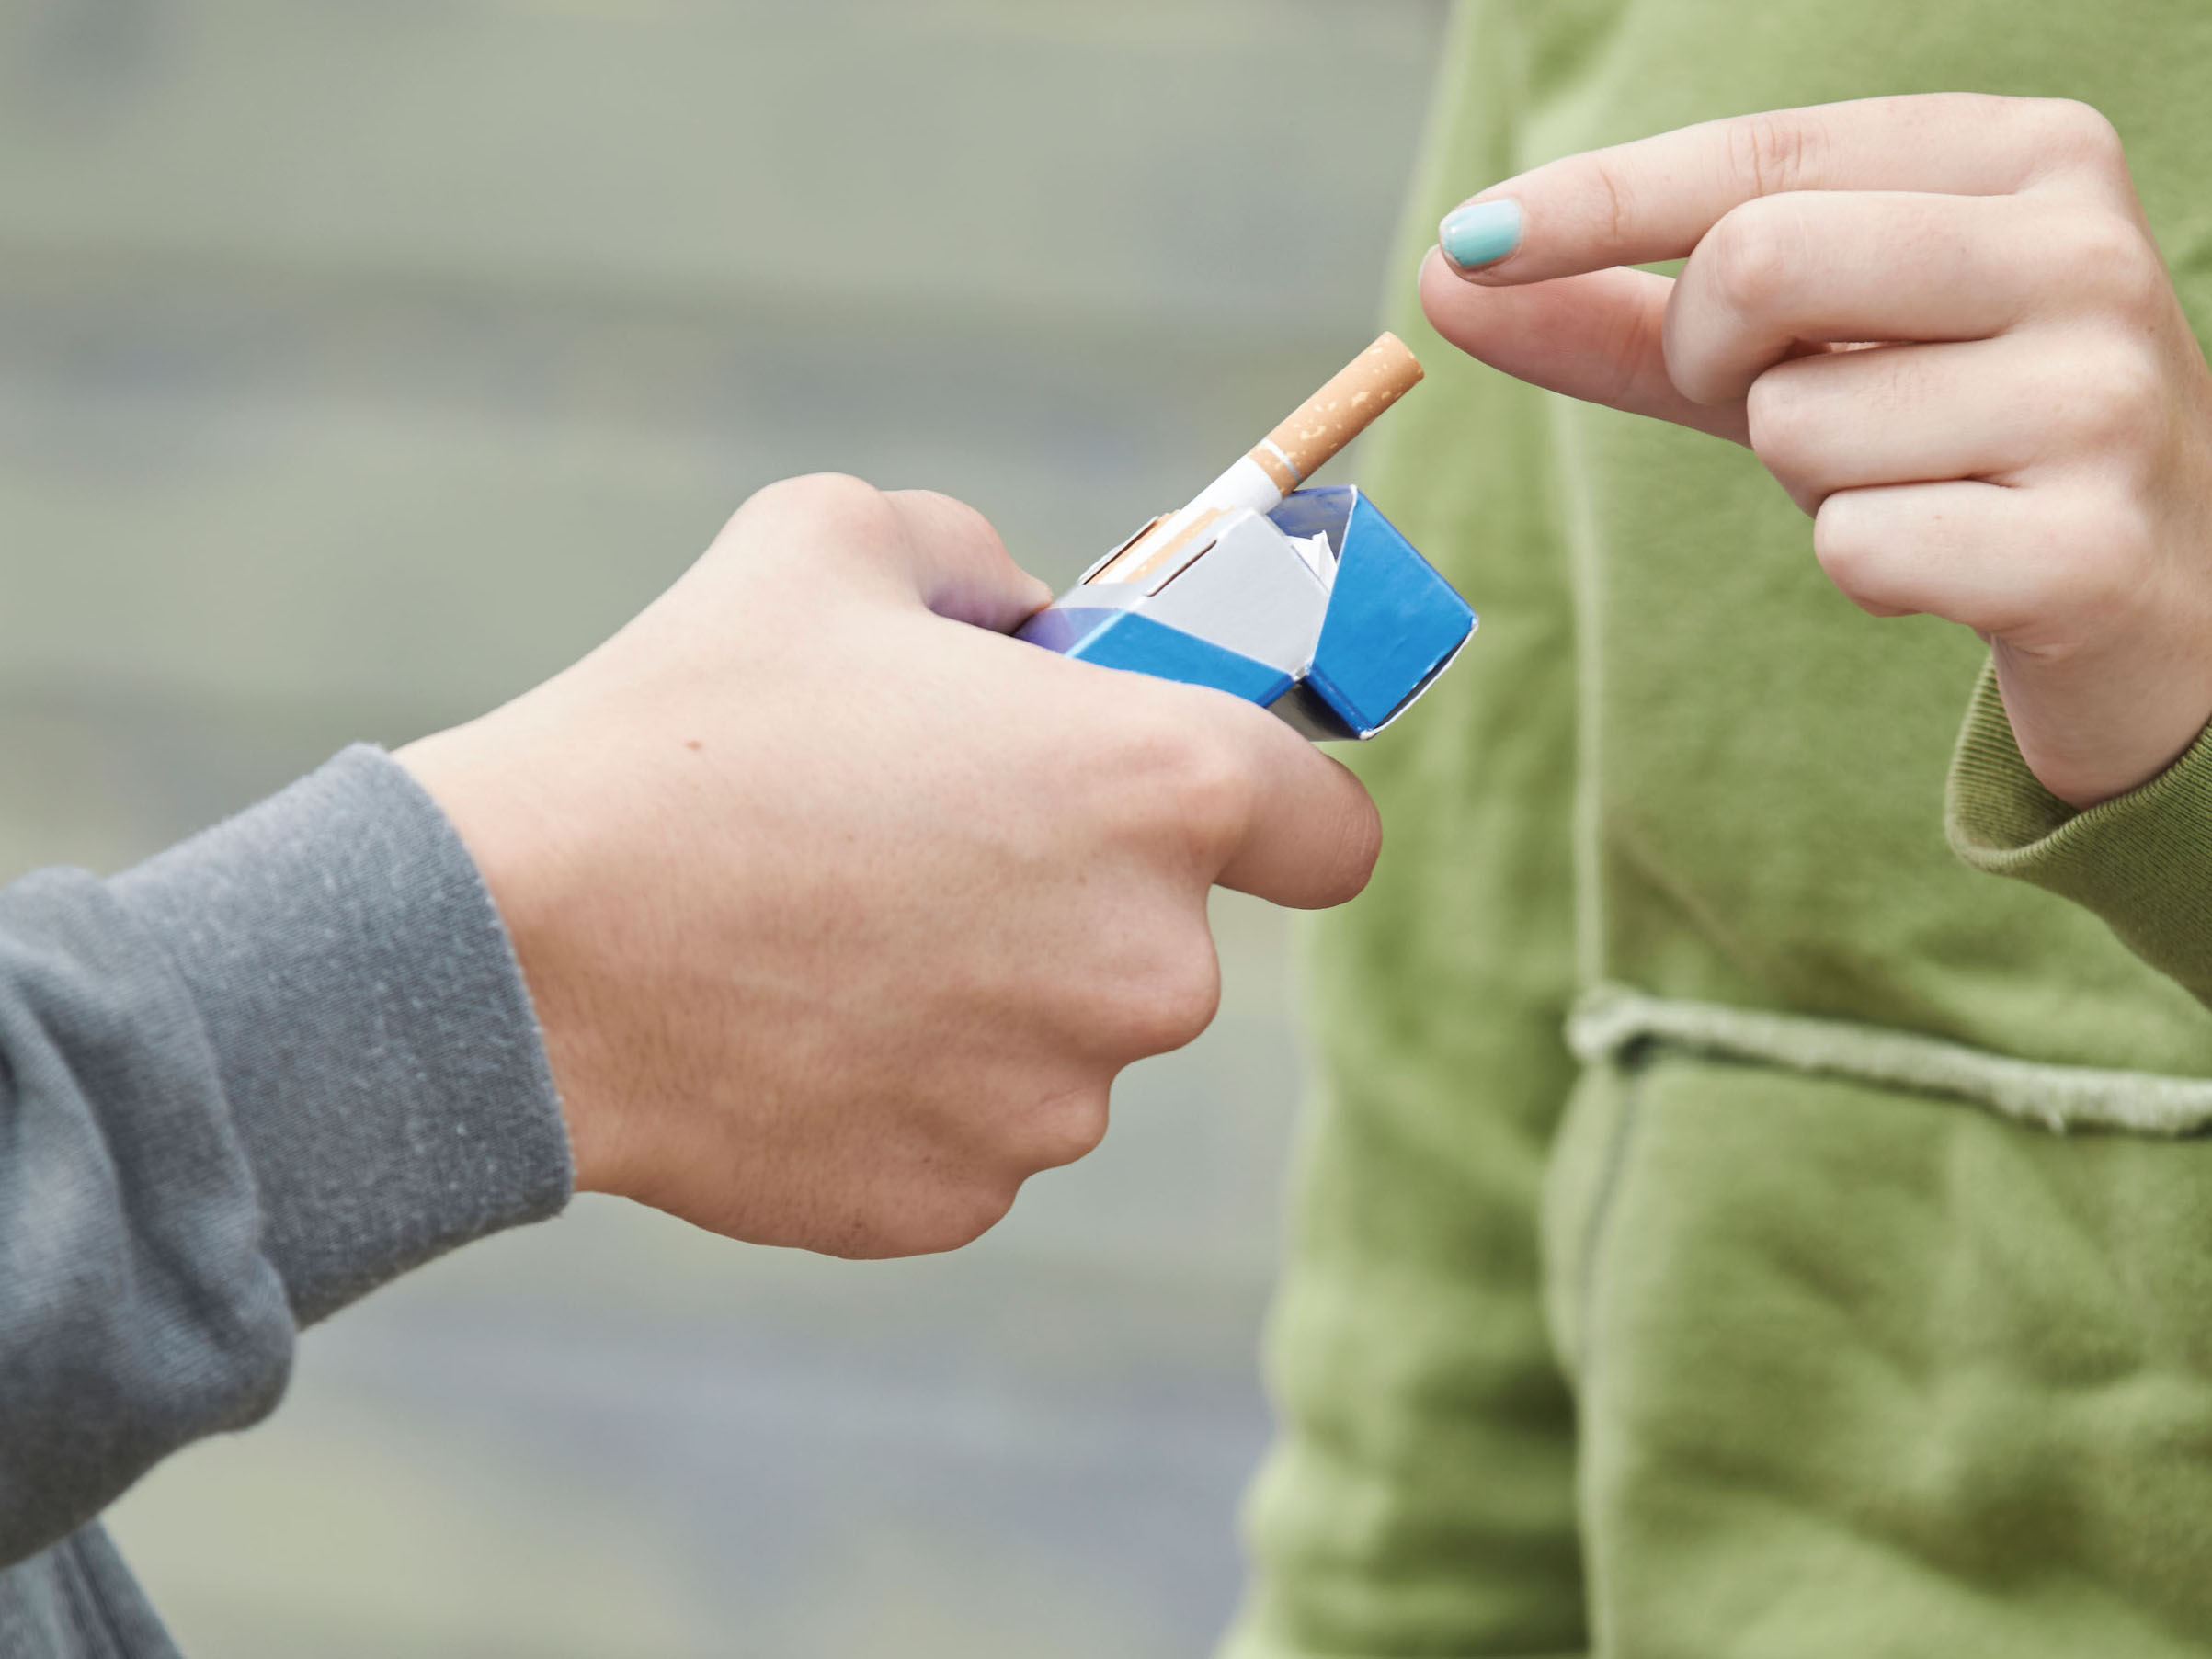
[1731, 1219]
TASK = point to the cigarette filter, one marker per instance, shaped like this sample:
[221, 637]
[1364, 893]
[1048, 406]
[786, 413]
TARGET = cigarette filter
[1306, 601]
[1297, 449]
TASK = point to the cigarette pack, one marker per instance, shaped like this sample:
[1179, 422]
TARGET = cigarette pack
[1318, 610]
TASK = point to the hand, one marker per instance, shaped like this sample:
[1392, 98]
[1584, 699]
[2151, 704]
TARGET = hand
[2028, 451]
[839, 910]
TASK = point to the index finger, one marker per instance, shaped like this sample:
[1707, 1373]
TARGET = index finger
[1656, 198]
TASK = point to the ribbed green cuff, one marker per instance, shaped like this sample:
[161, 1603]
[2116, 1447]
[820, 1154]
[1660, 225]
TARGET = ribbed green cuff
[2142, 860]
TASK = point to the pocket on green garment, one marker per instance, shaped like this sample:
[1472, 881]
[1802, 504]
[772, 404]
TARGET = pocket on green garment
[1861, 1370]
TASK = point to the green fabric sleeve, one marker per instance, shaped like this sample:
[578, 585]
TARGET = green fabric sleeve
[1420, 1496]
[2142, 860]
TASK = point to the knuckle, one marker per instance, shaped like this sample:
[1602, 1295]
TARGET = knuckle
[1624, 342]
[1207, 787]
[1169, 1001]
[2121, 403]
[951, 507]
[958, 1215]
[942, 1211]
[2135, 282]
[1846, 548]
[1755, 255]
[1617, 201]
[954, 520]
[817, 503]
[1781, 414]
[1775, 151]
[1071, 1128]
[2108, 264]
[821, 492]
[1186, 994]
[2078, 134]
[2138, 293]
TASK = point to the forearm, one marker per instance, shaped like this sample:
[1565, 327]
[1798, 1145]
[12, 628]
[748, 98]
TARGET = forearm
[241, 1085]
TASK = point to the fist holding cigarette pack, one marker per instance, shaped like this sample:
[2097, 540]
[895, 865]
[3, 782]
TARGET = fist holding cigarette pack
[1307, 602]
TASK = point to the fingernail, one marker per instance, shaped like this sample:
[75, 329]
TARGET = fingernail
[1480, 233]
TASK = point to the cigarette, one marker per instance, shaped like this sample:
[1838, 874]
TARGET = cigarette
[1276, 465]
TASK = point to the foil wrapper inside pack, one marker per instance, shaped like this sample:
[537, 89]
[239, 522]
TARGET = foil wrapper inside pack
[1318, 610]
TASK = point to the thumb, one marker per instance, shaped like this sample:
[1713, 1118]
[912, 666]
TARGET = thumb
[1596, 336]
[960, 567]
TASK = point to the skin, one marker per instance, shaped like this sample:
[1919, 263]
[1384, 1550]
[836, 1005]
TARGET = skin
[839, 909]
[2025, 447]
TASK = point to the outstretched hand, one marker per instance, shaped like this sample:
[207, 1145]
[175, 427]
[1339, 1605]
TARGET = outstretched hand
[840, 910]
[1942, 324]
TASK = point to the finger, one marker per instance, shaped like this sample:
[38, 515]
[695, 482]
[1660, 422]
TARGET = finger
[1849, 266]
[907, 545]
[962, 568]
[1599, 337]
[1311, 834]
[1656, 198]
[1893, 414]
[1996, 559]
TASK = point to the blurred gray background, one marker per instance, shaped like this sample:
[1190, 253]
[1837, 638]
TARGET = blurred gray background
[362, 361]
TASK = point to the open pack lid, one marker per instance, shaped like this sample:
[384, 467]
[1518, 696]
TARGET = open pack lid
[1320, 611]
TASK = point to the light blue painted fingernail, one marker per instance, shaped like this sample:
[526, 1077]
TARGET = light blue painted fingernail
[1480, 233]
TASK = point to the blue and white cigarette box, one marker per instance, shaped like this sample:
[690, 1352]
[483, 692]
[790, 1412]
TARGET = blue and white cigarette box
[1318, 610]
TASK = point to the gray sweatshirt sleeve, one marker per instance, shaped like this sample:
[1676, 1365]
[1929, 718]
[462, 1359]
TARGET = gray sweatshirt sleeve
[241, 1085]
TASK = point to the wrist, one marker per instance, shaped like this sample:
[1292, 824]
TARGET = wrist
[503, 823]
[2092, 729]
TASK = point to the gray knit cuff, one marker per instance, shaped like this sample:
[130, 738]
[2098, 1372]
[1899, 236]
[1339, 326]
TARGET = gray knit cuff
[377, 1046]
